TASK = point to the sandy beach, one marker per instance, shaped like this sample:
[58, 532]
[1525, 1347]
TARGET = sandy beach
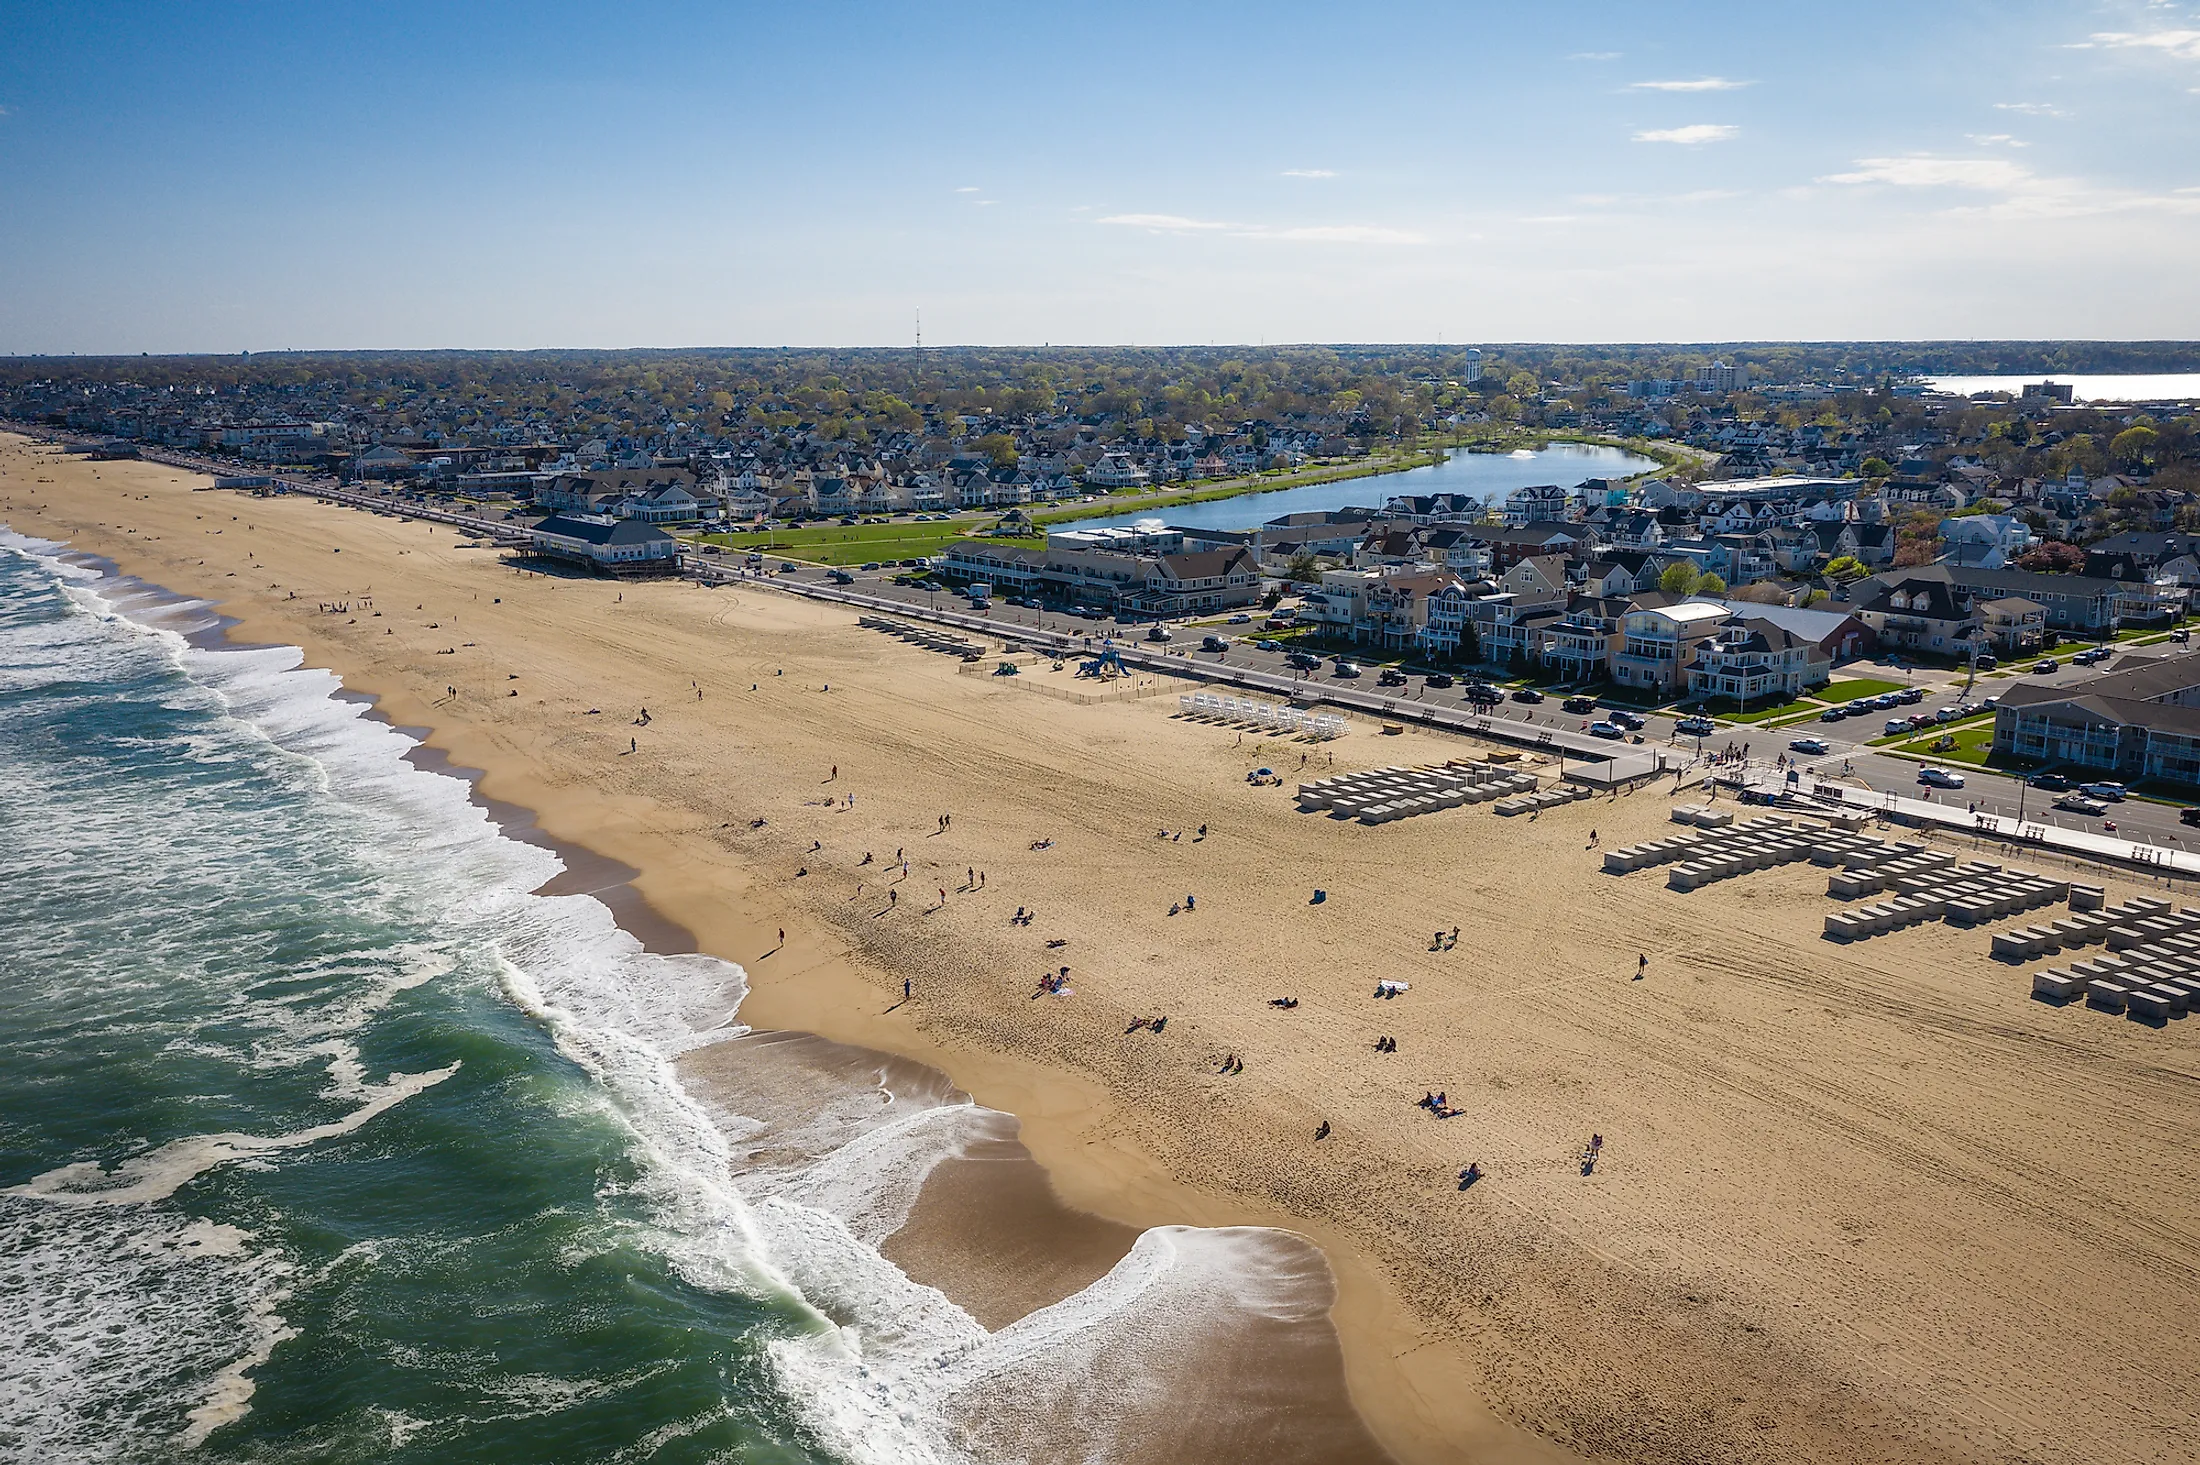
[1863, 1203]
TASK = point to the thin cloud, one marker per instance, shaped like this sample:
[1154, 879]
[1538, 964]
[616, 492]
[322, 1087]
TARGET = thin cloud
[1345, 234]
[1690, 136]
[1701, 84]
[2184, 45]
[2018, 192]
[1173, 223]
[1996, 140]
[2031, 109]
[1300, 234]
[1595, 56]
[1309, 173]
[1995, 173]
[966, 190]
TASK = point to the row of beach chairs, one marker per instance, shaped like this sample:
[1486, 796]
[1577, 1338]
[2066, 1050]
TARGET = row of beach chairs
[1962, 895]
[1272, 716]
[1725, 840]
[1549, 798]
[1379, 795]
[925, 636]
[2118, 927]
[2153, 979]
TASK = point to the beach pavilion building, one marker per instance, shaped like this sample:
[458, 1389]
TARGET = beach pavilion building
[606, 545]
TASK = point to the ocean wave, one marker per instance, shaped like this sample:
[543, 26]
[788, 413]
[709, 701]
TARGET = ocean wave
[879, 1368]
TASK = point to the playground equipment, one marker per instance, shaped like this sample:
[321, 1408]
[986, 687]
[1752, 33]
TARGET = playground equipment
[1107, 665]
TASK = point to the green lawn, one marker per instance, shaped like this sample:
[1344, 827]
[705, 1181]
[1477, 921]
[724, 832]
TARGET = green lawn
[1974, 741]
[854, 544]
[1759, 711]
[1854, 688]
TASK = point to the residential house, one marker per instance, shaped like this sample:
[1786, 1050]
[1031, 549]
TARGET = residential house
[1658, 644]
[1197, 580]
[2012, 624]
[2138, 721]
[1750, 659]
[1921, 613]
[1984, 541]
[1538, 503]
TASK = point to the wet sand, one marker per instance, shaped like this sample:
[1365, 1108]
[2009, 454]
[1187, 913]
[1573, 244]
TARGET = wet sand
[1859, 1204]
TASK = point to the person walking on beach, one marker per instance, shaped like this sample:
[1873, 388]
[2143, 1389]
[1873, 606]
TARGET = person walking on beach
[1642, 964]
[905, 988]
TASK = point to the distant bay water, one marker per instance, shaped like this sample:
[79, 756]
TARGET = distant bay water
[1496, 476]
[2085, 387]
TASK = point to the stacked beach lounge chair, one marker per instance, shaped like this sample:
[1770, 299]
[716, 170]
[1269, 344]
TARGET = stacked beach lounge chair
[1722, 851]
[1928, 885]
[2151, 970]
[925, 636]
[1380, 795]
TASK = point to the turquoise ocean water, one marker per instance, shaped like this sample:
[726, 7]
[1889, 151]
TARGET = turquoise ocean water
[323, 1138]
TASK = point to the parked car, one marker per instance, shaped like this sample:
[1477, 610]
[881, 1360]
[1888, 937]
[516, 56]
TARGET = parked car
[1631, 721]
[2180, 635]
[2080, 804]
[1897, 725]
[1158, 633]
[2046, 664]
[2106, 791]
[1241, 620]
[1527, 694]
[1815, 747]
[1886, 701]
[1939, 778]
[840, 577]
[786, 567]
[1579, 704]
[1265, 644]
[2091, 657]
[1346, 669]
[1832, 714]
[2188, 815]
[1910, 696]
[1304, 661]
[1695, 727]
[2054, 783]
[1987, 661]
[1391, 677]
[1213, 643]
[1607, 730]
[1437, 679]
[871, 564]
[1482, 694]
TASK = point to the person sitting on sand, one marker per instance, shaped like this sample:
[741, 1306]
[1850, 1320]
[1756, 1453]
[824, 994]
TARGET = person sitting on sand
[1469, 1175]
[1323, 1131]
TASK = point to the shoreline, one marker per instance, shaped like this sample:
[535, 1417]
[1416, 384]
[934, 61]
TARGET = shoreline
[1835, 1173]
[1403, 1385]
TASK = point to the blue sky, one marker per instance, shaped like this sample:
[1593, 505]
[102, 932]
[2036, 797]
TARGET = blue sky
[224, 177]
